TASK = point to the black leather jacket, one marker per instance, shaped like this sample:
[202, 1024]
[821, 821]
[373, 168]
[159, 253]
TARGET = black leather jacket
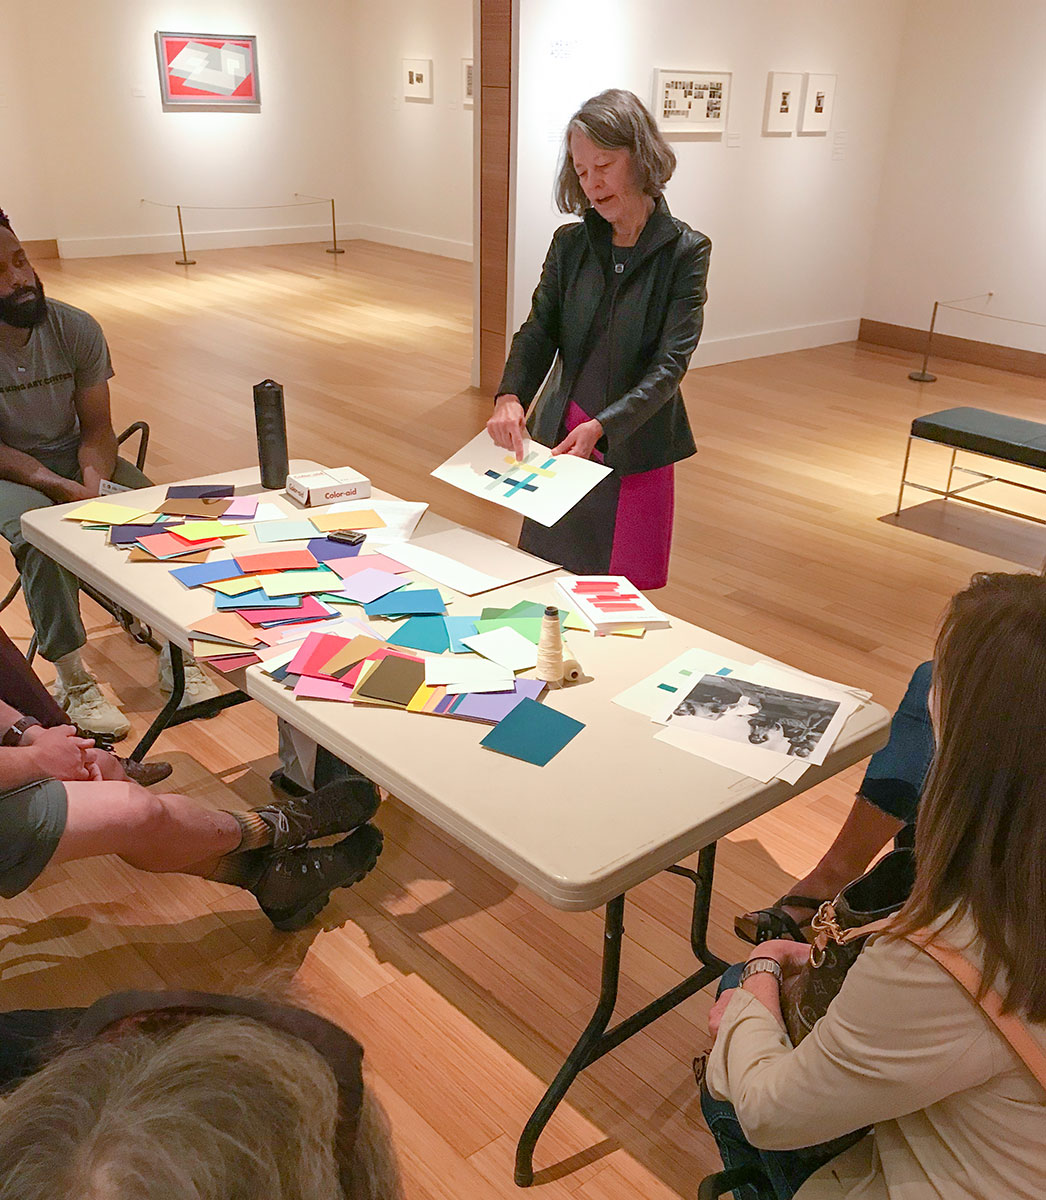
[655, 324]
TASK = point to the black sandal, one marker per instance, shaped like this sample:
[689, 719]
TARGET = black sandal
[764, 924]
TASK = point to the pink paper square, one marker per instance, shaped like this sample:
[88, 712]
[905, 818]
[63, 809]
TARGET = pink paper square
[321, 689]
[369, 585]
[346, 567]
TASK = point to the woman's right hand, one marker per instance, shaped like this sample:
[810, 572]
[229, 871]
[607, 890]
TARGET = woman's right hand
[507, 427]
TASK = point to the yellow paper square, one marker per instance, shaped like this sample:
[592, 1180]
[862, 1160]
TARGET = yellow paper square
[297, 583]
[366, 519]
[205, 649]
[204, 531]
[234, 587]
[101, 512]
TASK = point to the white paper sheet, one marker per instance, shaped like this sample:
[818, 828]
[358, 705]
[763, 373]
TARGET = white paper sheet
[542, 487]
[470, 669]
[651, 696]
[746, 760]
[401, 518]
[505, 646]
[469, 562]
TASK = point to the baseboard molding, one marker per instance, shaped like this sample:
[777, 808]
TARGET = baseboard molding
[38, 251]
[445, 247]
[161, 243]
[774, 341]
[982, 354]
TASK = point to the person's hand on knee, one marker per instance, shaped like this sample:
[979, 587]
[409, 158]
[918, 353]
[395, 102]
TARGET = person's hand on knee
[59, 752]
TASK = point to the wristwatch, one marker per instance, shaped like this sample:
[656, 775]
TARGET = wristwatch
[13, 734]
[762, 966]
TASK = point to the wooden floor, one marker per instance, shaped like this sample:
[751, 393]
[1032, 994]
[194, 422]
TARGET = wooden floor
[466, 991]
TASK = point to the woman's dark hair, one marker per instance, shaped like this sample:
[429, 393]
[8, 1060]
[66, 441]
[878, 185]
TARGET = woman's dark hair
[5, 222]
[615, 120]
[981, 836]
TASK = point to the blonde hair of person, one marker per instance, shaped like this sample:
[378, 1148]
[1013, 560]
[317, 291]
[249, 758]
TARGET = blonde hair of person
[224, 1108]
[980, 841]
[615, 120]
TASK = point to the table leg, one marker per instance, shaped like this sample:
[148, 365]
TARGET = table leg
[597, 1040]
[172, 714]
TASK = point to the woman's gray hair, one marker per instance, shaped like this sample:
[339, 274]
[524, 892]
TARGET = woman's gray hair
[225, 1108]
[615, 120]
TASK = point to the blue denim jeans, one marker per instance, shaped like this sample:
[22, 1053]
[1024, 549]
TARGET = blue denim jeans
[896, 773]
[785, 1170]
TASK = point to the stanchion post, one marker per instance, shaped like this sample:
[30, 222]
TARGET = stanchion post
[185, 260]
[334, 230]
[924, 376]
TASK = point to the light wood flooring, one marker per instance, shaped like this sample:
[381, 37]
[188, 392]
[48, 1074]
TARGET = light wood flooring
[465, 990]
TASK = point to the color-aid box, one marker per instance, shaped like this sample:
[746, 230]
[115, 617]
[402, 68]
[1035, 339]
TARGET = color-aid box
[323, 487]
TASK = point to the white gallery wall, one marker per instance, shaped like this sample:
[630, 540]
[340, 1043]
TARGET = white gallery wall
[790, 219]
[963, 207]
[85, 137]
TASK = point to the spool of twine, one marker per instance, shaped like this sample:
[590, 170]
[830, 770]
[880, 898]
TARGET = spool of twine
[550, 649]
[571, 670]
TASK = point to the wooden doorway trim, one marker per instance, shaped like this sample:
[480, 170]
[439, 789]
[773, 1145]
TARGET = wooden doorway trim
[495, 160]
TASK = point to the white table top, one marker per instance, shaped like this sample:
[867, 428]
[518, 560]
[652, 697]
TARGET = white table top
[610, 810]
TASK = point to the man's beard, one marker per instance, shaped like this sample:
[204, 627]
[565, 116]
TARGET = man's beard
[25, 308]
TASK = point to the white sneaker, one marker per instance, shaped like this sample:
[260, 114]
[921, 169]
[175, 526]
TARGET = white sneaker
[87, 707]
[198, 685]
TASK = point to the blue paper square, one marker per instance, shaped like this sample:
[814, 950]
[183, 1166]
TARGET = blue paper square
[324, 550]
[407, 602]
[208, 572]
[458, 628]
[532, 732]
[422, 633]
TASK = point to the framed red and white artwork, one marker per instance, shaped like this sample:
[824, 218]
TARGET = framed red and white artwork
[208, 72]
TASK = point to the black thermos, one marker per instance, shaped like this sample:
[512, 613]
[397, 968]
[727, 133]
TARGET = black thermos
[271, 424]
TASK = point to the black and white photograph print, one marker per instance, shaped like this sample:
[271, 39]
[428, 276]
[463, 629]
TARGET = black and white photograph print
[755, 714]
[691, 100]
[783, 90]
[417, 79]
[815, 115]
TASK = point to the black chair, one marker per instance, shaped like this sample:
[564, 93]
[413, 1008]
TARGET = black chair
[722, 1182]
[140, 632]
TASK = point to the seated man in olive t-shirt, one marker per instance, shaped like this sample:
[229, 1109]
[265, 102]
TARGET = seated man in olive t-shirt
[56, 445]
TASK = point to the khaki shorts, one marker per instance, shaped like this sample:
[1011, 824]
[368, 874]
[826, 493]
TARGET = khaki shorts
[32, 821]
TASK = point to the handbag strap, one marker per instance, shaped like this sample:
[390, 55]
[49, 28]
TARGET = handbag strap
[1008, 1024]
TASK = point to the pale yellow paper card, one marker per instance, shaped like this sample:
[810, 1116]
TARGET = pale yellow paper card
[234, 587]
[204, 531]
[99, 512]
[366, 519]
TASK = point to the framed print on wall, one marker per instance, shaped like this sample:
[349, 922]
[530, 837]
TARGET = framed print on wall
[691, 101]
[784, 92]
[818, 97]
[417, 79]
[468, 94]
[208, 72]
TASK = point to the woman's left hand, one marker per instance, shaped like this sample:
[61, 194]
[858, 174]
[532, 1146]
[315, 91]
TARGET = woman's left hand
[790, 955]
[581, 440]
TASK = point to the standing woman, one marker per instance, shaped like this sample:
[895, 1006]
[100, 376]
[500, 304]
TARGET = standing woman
[618, 310]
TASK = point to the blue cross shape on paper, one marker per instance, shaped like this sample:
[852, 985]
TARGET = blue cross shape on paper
[514, 485]
[526, 484]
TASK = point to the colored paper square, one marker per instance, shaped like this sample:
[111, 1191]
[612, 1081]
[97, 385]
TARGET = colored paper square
[254, 599]
[423, 633]
[233, 662]
[532, 732]
[235, 587]
[185, 491]
[394, 681]
[138, 555]
[241, 508]
[168, 545]
[317, 648]
[528, 627]
[209, 572]
[308, 688]
[366, 518]
[297, 583]
[204, 531]
[506, 647]
[356, 651]
[102, 512]
[492, 707]
[368, 585]
[195, 506]
[277, 560]
[284, 531]
[347, 567]
[126, 535]
[324, 550]
[458, 628]
[230, 627]
[407, 602]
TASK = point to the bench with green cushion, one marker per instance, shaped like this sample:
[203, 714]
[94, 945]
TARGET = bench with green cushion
[978, 431]
[983, 432]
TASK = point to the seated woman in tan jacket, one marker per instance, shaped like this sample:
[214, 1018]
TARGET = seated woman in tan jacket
[956, 1114]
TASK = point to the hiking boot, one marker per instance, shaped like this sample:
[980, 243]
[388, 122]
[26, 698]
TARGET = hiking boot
[90, 711]
[145, 773]
[295, 885]
[198, 685]
[336, 807]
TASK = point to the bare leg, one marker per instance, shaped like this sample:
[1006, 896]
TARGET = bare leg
[865, 832]
[164, 832]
